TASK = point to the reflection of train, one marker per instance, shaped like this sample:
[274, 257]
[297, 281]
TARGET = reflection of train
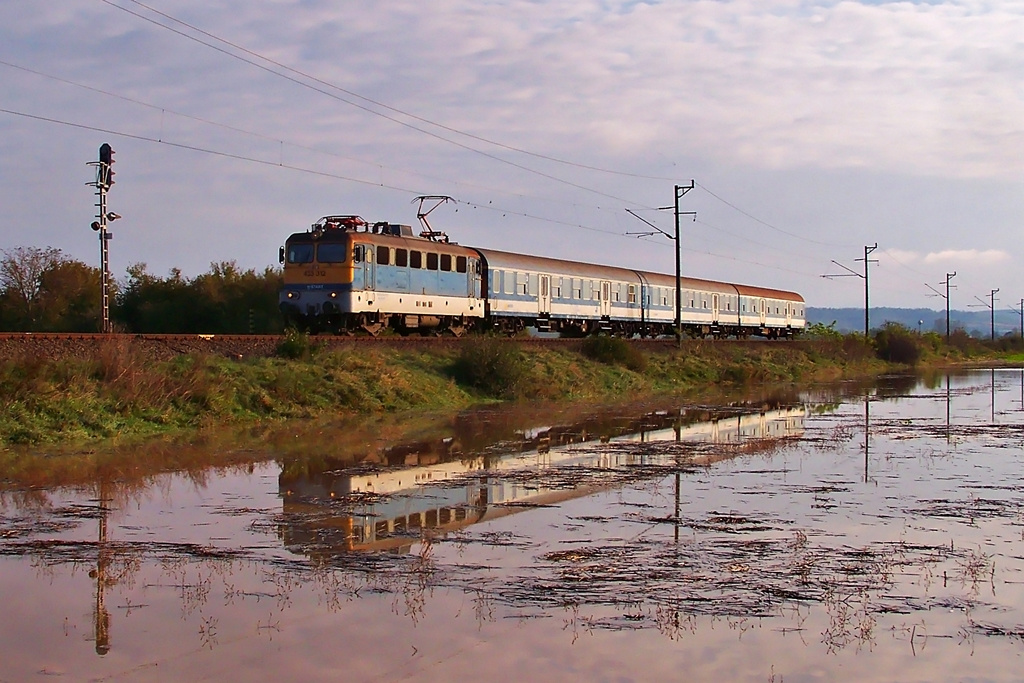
[345, 274]
[389, 509]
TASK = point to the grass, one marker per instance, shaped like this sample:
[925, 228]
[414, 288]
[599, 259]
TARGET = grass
[118, 392]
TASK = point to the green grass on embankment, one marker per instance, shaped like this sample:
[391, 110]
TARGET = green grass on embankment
[117, 392]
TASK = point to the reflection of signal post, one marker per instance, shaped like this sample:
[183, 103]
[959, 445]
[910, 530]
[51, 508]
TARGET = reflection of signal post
[101, 617]
[104, 179]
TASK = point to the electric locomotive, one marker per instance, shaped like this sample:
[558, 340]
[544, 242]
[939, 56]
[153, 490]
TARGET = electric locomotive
[346, 274]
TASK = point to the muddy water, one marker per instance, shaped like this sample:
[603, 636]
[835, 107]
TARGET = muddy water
[841, 533]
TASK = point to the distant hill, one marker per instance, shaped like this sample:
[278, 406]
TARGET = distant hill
[977, 323]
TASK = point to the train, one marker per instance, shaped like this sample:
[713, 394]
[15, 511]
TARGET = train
[346, 275]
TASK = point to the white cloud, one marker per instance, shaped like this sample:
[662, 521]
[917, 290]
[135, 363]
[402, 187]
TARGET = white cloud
[967, 256]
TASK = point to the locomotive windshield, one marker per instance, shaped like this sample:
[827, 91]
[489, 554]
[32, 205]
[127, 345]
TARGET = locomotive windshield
[300, 253]
[331, 253]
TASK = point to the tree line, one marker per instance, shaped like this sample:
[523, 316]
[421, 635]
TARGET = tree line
[45, 290]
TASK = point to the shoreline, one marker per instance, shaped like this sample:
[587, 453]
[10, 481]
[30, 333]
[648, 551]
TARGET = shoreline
[121, 391]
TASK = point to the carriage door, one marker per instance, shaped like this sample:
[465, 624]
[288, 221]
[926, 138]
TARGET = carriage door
[761, 307]
[474, 278]
[606, 298]
[714, 308]
[789, 315]
[368, 268]
[544, 300]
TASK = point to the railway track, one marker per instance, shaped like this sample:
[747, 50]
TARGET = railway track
[161, 346]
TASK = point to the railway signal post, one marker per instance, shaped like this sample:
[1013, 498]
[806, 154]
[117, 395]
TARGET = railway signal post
[104, 179]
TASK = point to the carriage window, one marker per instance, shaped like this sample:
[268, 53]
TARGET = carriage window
[446, 262]
[558, 289]
[577, 288]
[383, 256]
[431, 261]
[415, 259]
[331, 253]
[401, 257]
[460, 264]
[300, 253]
[524, 284]
[496, 281]
[632, 294]
[510, 282]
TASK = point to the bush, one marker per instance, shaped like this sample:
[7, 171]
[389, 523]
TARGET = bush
[493, 366]
[295, 345]
[821, 331]
[897, 344]
[613, 351]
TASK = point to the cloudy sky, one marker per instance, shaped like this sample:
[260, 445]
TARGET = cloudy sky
[810, 130]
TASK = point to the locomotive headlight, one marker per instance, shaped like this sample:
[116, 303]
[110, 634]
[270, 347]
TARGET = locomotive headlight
[293, 295]
[334, 295]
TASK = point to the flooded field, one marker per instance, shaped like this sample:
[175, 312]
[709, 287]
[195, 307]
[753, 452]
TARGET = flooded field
[868, 533]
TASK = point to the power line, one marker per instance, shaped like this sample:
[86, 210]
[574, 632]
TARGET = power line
[767, 224]
[204, 150]
[243, 131]
[415, 117]
[366, 109]
[382, 105]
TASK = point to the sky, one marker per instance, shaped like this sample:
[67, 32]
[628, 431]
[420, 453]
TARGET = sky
[809, 131]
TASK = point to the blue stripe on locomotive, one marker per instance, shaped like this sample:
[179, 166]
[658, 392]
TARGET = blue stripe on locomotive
[388, 278]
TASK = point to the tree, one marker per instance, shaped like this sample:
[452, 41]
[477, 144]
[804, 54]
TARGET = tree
[226, 300]
[69, 298]
[21, 275]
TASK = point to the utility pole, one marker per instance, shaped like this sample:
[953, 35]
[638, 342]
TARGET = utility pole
[1021, 311]
[104, 179]
[991, 305]
[992, 311]
[867, 307]
[949, 276]
[852, 273]
[680, 190]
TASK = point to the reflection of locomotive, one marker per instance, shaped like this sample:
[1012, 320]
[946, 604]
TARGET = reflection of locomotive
[345, 274]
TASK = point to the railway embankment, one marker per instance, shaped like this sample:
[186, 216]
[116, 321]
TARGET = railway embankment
[60, 389]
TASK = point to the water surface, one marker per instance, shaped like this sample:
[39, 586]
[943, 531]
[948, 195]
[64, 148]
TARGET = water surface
[842, 533]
